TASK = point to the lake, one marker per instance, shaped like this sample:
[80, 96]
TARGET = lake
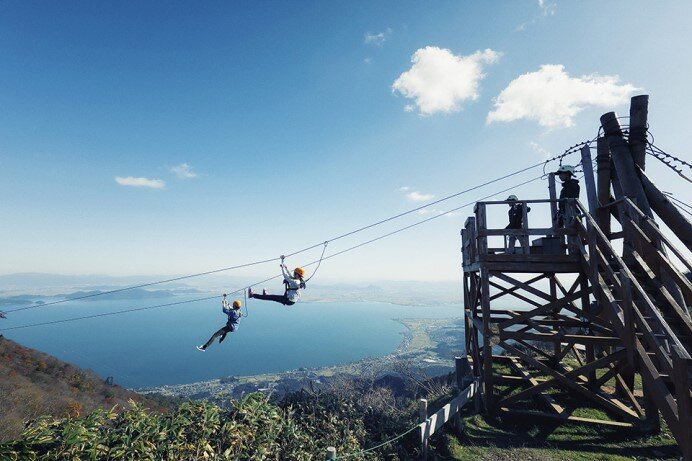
[157, 347]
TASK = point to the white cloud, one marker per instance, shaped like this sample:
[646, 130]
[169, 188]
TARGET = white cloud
[438, 80]
[367, 60]
[404, 188]
[547, 7]
[418, 197]
[552, 98]
[538, 148]
[183, 171]
[140, 182]
[377, 39]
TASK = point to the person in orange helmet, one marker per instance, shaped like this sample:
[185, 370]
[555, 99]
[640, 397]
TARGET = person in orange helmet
[233, 313]
[293, 284]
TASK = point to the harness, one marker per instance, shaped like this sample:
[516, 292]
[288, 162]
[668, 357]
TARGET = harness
[287, 288]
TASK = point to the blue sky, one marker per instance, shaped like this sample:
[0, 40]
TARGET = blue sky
[142, 139]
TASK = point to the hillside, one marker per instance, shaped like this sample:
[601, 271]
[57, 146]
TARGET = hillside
[33, 384]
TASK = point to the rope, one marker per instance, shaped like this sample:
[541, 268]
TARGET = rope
[418, 223]
[387, 442]
[443, 199]
[677, 203]
[319, 263]
[333, 239]
[670, 196]
[570, 150]
[668, 160]
[247, 312]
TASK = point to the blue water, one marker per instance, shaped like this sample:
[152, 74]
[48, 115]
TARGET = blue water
[157, 347]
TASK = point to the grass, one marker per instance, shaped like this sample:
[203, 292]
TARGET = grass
[509, 439]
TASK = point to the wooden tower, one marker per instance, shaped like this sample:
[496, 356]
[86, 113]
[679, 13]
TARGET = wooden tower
[586, 322]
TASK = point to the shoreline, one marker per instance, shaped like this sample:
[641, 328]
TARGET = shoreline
[416, 346]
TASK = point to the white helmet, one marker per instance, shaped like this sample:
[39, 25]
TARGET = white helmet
[565, 169]
[511, 197]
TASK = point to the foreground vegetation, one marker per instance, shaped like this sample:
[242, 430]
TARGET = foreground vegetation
[33, 384]
[350, 414]
[300, 427]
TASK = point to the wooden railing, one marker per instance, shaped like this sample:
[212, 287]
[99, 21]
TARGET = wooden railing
[430, 424]
[476, 232]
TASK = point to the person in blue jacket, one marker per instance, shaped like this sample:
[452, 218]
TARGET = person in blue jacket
[234, 314]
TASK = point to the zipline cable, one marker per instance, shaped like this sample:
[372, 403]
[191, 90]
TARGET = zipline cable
[264, 261]
[158, 306]
[143, 285]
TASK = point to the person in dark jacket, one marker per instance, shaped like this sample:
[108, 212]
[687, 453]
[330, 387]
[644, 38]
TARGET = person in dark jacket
[570, 189]
[234, 314]
[516, 220]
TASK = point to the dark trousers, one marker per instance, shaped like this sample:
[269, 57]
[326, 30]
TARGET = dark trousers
[221, 332]
[282, 299]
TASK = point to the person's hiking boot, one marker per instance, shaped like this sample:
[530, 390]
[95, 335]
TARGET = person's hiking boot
[249, 293]
[201, 348]
[265, 292]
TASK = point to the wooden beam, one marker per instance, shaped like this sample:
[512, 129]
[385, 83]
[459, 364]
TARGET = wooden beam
[547, 384]
[624, 164]
[549, 402]
[589, 180]
[603, 341]
[639, 112]
[607, 404]
[572, 419]
[603, 187]
[511, 291]
[540, 310]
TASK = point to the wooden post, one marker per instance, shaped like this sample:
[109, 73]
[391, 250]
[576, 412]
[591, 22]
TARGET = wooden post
[462, 369]
[630, 338]
[482, 225]
[487, 346]
[586, 309]
[668, 212]
[603, 186]
[639, 112]
[556, 311]
[553, 198]
[524, 239]
[589, 179]
[681, 380]
[624, 164]
[331, 453]
[422, 418]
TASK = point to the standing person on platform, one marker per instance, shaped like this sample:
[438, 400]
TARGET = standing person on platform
[516, 220]
[570, 189]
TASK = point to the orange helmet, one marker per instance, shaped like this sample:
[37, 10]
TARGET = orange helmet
[237, 304]
[299, 270]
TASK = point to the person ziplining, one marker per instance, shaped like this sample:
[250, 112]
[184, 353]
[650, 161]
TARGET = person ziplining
[293, 284]
[233, 313]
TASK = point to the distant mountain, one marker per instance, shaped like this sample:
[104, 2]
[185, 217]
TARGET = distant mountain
[137, 293]
[33, 384]
[91, 296]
